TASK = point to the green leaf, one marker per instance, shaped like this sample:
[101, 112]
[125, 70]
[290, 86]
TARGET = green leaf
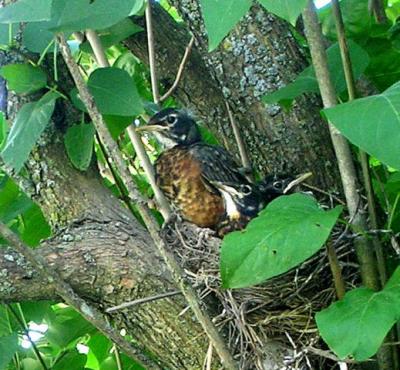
[357, 324]
[372, 123]
[26, 11]
[307, 82]
[36, 36]
[117, 124]
[115, 92]
[99, 347]
[13, 201]
[287, 232]
[78, 15]
[35, 226]
[286, 9]
[36, 311]
[29, 124]
[72, 360]
[114, 34]
[79, 144]
[8, 347]
[5, 30]
[24, 78]
[220, 16]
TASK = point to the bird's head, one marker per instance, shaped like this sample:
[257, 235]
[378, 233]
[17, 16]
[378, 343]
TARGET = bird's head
[243, 199]
[173, 127]
[272, 186]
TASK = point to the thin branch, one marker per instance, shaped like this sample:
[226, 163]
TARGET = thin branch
[25, 328]
[143, 300]
[180, 71]
[342, 149]
[239, 140]
[162, 203]
[152, 226]
[97, 48]
[65, 291]
[351, 88]
[152, 58]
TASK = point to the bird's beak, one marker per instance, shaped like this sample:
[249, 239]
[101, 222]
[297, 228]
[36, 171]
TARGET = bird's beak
[151, 127]
[297, 181]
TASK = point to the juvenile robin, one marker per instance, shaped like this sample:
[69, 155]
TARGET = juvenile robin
[203, 182]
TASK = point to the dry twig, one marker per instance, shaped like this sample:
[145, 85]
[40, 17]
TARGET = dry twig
[180, 71]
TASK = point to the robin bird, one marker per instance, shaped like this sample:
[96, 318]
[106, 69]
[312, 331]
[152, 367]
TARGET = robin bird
[203, 182]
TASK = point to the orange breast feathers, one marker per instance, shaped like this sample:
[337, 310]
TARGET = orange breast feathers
[179, 177]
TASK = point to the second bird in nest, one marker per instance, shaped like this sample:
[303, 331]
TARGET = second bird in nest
[203, 182]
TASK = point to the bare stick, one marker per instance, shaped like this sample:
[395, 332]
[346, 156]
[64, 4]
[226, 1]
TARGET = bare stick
[342, 149]
[148, 168]
[180, 71]
[336, 270]
[239, 140]
[152, 226]
[97, 48]
[162, 202]
[65, 291]
[143, 300]
[152, 57]
[348, 72]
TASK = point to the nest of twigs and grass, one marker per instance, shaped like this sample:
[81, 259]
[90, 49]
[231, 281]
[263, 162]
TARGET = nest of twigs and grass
[276, 317]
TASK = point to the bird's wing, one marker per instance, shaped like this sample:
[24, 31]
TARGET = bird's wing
[218, 166]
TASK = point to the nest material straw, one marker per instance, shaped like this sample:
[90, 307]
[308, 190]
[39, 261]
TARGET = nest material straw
[281, 310]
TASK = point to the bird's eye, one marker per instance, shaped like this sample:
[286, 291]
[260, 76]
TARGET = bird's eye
[172, 119]
[277, 185]
[246, 189]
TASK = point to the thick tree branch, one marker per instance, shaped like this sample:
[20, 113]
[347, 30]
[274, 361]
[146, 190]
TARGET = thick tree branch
[65, 291]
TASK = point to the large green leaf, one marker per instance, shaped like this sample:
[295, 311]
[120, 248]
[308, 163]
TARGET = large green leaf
[24, 78]
[220, 16]
[3, 130]
[78, 15]
[79, 144]
[115, 92]
[290, 230]
[357, 324]
[29, 124]
[307, 82]
[8, 347]
[372, 123]
[286, 9]
[26, 11]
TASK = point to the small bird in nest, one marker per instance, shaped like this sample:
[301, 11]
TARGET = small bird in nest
[203, 182]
